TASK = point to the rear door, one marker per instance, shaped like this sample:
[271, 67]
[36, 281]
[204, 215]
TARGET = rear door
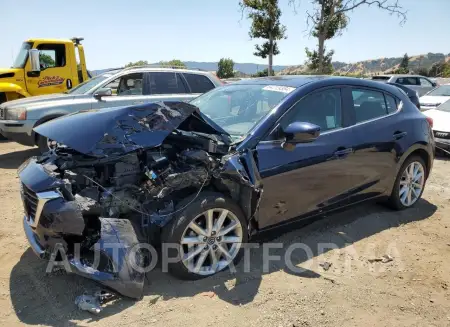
[128, 89]
[168, 86]
[313, 177]
[379, 137]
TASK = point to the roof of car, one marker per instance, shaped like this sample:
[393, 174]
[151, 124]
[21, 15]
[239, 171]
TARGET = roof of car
[286, 80]
[397, 75]
[300, 80]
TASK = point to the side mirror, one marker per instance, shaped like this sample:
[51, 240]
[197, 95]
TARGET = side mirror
[104, 92]
[35, 63]
[299, 132]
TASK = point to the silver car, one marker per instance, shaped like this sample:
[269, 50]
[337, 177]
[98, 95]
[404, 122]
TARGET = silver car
[129, 86]
[415, 82]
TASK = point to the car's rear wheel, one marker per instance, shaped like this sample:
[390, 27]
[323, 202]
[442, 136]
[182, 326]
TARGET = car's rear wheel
[410, 183]
[208, 233]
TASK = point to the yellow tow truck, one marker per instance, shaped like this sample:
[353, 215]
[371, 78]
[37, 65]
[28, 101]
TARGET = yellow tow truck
[44, 66]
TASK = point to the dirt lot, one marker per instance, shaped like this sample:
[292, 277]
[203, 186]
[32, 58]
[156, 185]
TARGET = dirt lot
[411, 290]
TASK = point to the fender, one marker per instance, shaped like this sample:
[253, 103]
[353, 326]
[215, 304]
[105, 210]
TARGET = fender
[13, 88]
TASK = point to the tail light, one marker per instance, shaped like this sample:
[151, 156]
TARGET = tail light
[430, 121]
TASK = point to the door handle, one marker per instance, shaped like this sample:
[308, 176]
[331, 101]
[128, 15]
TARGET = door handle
[343, 152]
[398, 135]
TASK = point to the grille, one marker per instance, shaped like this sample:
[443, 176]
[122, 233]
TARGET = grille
[442, 135]
[2, 113]
[30, 202]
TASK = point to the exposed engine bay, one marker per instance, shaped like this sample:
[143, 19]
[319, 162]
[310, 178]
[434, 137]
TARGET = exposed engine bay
[135, 185]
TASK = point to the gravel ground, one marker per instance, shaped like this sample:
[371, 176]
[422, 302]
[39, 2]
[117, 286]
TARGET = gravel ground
[410, 290]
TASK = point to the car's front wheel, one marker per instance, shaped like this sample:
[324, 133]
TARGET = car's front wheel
[206, 236]
[410, 183]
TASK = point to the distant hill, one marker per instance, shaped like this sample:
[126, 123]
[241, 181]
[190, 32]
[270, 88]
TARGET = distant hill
[377, 66]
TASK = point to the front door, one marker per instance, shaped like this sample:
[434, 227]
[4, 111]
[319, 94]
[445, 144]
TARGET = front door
[55, 75]
[313, 177]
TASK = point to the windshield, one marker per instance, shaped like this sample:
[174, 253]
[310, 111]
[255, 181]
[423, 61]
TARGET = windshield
[89, 84]
[444, 107]
[443, 90]
[237, 108]
[22, 56]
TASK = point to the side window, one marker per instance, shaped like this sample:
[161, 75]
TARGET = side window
[368, 104]
[425, 82]
[166, 83]
[322, 108]
[52, 55]
[131, 84]
[199, 83]
[408, 80]
[391, 104]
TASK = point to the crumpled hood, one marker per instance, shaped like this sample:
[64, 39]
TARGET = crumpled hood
[116, 131]
[38, 100]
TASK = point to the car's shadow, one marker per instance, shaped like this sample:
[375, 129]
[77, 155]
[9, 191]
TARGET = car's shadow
[13, 160]
[49, 300]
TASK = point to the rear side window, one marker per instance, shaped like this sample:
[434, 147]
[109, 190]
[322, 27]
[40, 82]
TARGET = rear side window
[391, 104]
[368, 104]
[199, 83]
[166, 83]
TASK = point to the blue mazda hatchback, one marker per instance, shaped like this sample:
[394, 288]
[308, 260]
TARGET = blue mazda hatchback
[206, 175]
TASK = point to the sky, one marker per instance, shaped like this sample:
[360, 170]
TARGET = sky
[120, 31]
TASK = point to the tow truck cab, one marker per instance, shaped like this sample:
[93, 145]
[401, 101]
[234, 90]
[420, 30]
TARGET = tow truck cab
[44, 66]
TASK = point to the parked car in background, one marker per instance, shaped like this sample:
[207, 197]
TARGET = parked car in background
[435, 97]
[204, 179]
[418, 83]
[134, 85]
[441, 125]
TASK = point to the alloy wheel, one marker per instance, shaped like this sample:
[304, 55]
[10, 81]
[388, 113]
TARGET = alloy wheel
[411, 183]
[211, 241]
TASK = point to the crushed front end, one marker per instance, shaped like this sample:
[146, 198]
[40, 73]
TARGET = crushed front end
[92, 202]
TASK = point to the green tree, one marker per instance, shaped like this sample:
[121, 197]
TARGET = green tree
[265, 16]
[46, 60]
[313, 61]
[404, 65]
[225, 68]
[330, 17]
[173, 63]
[137, 63]
[261, 73]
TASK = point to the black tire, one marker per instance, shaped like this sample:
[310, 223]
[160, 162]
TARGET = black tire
[174, 230]
[394, 199]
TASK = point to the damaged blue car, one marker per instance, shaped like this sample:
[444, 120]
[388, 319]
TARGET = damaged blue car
[207, 175]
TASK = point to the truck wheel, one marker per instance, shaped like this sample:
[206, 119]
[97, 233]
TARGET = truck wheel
[2, 97]
[209, 233]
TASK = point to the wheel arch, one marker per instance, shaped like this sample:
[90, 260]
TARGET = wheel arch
[44, 120]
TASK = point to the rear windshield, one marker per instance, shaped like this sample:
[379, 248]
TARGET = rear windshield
[381, 78]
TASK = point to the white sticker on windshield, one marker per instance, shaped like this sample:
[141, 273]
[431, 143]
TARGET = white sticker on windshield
[279, 88]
